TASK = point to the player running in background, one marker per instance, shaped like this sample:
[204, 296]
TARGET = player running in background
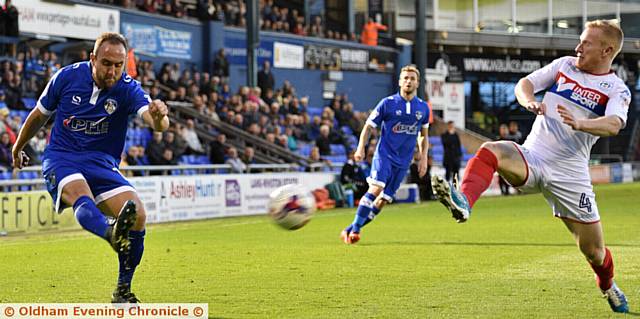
[401, 117]
[584, 100]
[92, 101]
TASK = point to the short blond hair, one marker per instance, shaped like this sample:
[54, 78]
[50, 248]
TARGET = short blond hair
[410, 68]
[612, 33]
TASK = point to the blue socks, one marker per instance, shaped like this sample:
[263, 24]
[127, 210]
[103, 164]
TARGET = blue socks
[363, 212]
[90, 217]
[128, 265]
[374, 212]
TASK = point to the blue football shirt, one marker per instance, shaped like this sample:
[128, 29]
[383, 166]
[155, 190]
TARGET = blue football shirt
[400, 122]
[89, 118]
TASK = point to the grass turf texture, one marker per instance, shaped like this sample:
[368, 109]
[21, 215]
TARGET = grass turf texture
[511, 260]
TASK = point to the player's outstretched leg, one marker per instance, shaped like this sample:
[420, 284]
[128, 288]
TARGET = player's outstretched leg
[455, 201]
[91, 218]
[365, 213]
[129, 260]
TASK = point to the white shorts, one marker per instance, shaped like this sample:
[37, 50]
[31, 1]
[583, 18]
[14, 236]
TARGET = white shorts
[567, 190]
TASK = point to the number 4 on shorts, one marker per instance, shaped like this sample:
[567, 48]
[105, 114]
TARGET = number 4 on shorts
[585, 202]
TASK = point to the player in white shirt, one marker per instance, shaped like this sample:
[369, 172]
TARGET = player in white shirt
[584, 100]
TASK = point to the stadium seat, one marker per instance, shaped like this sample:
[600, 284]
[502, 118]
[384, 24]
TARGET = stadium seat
[29, 103]
[202, 159]
[313, 111]
[346, 130]
[304, 149]
[338, 149]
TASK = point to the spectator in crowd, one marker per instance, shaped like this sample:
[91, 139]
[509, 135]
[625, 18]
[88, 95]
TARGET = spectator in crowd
[323, 143]
[237, 166]
[191, 138]
[248, 157]
[4, 125]
[514, 132]
[134, 158]
[155, 149]
[11, 24]
[452, 151]
[150, 6]
[5, 151]
[317, 28]
[217, 148]
[11, 83]
[171, 142]
[424, 182]
[315, 157]
[266, 80]
[206, 10]
[38, 144]
[352, 176]
[369, 34]
[221, 65]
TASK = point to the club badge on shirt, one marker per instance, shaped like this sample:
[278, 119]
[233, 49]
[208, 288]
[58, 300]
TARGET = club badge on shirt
[110, 106]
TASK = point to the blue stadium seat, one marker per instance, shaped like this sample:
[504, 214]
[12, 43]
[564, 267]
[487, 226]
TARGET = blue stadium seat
[346, 130]
[29, 103]
[313, 111]
[304, 149]
[202, 159]
[338, 149]
[435, 140]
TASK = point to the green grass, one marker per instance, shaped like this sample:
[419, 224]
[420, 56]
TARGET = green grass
[511, 260]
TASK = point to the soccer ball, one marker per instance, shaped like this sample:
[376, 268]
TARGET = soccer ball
[291, 206]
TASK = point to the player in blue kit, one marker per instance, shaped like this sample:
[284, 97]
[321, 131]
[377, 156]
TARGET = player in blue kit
[92, 102]
[400, 117]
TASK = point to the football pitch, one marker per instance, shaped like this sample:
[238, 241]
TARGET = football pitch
[512, 259]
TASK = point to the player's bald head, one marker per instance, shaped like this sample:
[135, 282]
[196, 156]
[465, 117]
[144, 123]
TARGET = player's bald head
[110, 38]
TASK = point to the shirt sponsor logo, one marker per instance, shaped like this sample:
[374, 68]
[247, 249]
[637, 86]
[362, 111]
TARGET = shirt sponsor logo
[570, 89]
[400, 128]
[89, 127]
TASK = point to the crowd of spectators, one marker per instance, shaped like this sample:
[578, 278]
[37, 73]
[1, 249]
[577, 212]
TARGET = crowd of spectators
[233, 13]
[276, 114]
